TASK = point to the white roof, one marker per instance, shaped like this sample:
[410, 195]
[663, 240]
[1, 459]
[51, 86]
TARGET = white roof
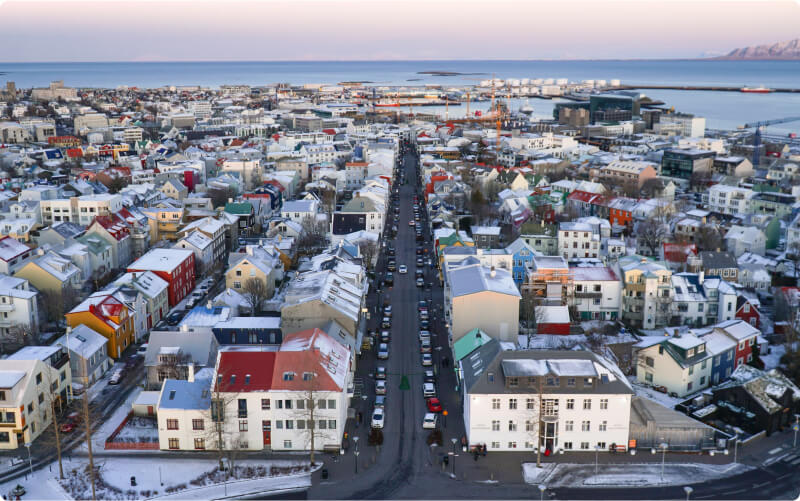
[161, 260]
[9, 378]
[11, 247]
[83, 340]
[474, 278]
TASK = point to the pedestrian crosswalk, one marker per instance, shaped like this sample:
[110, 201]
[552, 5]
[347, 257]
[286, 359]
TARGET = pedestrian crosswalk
[358, 387]
[792, 459]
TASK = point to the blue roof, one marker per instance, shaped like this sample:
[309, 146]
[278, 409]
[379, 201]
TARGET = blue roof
[178, 394]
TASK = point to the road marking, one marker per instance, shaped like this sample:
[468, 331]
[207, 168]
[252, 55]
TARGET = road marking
[774, 460]
[794, 461]
[775, 450]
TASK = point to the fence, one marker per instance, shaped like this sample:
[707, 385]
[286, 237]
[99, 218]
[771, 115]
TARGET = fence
[110, 444]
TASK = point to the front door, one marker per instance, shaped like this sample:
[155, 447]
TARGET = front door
[266, 428]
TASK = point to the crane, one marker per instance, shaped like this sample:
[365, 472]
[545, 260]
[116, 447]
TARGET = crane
[757, 135]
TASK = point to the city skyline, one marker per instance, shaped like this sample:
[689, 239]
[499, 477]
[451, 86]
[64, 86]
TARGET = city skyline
[276, 30]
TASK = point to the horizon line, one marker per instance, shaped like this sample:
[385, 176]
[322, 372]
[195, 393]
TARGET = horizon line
[581, 59]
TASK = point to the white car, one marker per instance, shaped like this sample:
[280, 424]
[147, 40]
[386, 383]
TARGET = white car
[428, 390]
[403, 269]
[412, 223]
[427, 359]
[428, 422]
[377, 417]
[380, 387]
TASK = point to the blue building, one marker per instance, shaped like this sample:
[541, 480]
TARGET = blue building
[522, 258]
[722, 349]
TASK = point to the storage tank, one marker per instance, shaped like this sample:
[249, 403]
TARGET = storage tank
[614, 82]
[562, 81]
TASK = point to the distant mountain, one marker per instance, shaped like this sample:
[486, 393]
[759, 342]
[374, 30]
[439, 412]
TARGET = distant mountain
[782, 50]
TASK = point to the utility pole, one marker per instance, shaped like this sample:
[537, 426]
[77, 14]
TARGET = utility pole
[539, 427]
[88, 434]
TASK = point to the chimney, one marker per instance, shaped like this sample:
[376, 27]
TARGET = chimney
[230, 200]
[208, 305]
[701, 276]
[677, 332]
[492, 272]
[190, 372]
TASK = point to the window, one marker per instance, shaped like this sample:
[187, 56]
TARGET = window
[689, 386]
[198, 424]
[307, 376]
[512, 445]
[513, 382]
[648, 376]
[530, 426]
[601, 445]
[703, 380]
[691, 370]
[530, 404]
[749, 357]
[587, 404]
[237, 285]
[603, 404]
[586, 426]
[264, 404]
[649, 361]
[301, 424]
[301, 404]
[752, 341]
[41, 396]
[495, 403]
[331, 404]
[567, 446]
[289, 424]
[279, 424]
[242, 425]
[512, 426]
[571, 381]
[288, 376]
[512, 403]
[603, 425]
[495, 425]
[199, 443]
[287, 404]
[39, 378]
[570, 403]
[172, 424]
[585, 445]
[568, 425]
[174, 443]
[279, 404]
[552, 381]
[495, 445]
[242, 408]
[323, 425]
[287, 444]
[331, 424]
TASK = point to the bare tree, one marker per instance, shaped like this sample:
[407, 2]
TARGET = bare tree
[17, 336]
[220, 196]
[314, 235]
[369, 251]
[255, 293]
[793, 255]
[651, 233]
[708, 238]
[310, 422]
[173, 365]
[531, 313]
[222, 414]
[54, 401]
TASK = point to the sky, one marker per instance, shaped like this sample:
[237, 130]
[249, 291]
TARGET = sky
[308, 30]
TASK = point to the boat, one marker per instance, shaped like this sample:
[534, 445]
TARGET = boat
[526, 108]
[756, 90]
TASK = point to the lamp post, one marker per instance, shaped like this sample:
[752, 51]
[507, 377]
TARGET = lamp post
[688, 490]
[30, 461]
[735, 447]
[355, 452]
[454, 440]
[796, 427]
[596, 457]
[542, 488]
[664, 447]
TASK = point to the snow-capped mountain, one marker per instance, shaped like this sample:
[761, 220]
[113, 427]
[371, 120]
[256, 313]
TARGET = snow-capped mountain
[781, 50]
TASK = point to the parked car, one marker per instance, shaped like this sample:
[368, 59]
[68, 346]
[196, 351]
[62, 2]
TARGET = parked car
[391, 265]
[427, 360]
[385, 336]
[380, 387]
[380, 401]
[380, 372]
[386, 322]
[429, 421]
[389, 280]
[377, 417]
[411, 223]
[403, 269]
[174, 318]
[387, 310]
[142, 349]
[383, 351]
[425, 346]
[422, 305]
[420, 282]
[116, 377]
[428, 390]
[429, 377]
[433, 404]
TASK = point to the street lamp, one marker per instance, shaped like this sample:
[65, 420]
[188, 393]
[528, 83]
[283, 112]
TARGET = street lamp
[355, 452]
[454, 440]
[664, 447]
[542, 488]
[30, 461]
[596, 457]
[688, 490]
[796, 427]
[735, 447]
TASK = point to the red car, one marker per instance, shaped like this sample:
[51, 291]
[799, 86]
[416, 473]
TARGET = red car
[66, 427]
[434, 405]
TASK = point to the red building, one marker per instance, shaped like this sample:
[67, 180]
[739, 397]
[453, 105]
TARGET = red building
[620, 212]
[747, 310]
[554, 320]
[745, 336]
[176, 266]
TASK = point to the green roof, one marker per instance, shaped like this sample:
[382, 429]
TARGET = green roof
[95, 243]
[240, 208]
[471, 341]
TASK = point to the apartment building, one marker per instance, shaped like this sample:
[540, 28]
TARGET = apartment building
[646, 292]
[578, 240]
[680, 363]
[728, 199]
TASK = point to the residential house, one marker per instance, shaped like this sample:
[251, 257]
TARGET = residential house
[257, 263]
[55, 276]
[249, 330]
[720, 264]
[486, 237]
[14, 255]
[747, 310]
[175, 266]
[214, 229]
[646, 292]
[154, 289]
[245, 215]
[172, 188]
[597, 293]
[680, 363]
[174, 355]
[88, 354]
[108, 316]
[548, 277]
[300, 210]
[722, 348]
[632, 173]
[522, 258]
[165, 221]
[18, 305]
[745, 336]
[585, 401]
[203, 250]
[578, 240]
[116, 232]
[482, 297]
[741, 239]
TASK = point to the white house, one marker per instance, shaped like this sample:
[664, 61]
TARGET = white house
[579, 400]
[680, 363]
[597, 292]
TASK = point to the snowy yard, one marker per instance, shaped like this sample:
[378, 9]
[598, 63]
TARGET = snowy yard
[627, 475]
[196, 479]
[139, 429]
[772, 360]
[656, 396]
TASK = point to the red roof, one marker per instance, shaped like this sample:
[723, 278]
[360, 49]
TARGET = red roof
[114, 225]
[678, 253]
[582, 196]
[243, 371]
[330, 132]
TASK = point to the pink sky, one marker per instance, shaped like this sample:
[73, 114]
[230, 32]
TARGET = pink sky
[386, 29]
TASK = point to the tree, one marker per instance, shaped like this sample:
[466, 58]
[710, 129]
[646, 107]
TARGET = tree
[116, 184]
[700, 180]
[223, 409]
[17, 336]
[255, 293]
[53, 400]
[310, 419]
[369, 251]
[651, 233]
[220, 196]
[314, 235]
[531, 313]
[793, 255]
[756, 361]
[651, 188]
[173, 365]
[708, 238]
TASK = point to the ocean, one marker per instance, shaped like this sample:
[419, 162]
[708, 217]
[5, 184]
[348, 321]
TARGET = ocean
[722, 109]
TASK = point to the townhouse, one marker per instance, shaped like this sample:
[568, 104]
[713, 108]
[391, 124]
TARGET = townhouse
[578, 240]
[14, 255]
[680, 363]
[174, 266]
[646, 292]
[597, 293]
[108, 316]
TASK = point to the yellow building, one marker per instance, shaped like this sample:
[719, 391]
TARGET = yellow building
[165, 222]
[54, 275]
[108, 316]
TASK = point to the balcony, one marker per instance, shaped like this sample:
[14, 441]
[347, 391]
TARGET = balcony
[7, 307]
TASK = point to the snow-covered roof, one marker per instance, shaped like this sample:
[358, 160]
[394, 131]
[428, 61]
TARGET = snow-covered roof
[10, 378]
[161, 260]
[250, 323]
[11, 247]
[83, 340]
[475, 278]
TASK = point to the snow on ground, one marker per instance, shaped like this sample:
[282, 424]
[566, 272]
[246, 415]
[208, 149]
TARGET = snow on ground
[772, 360]
[115, 474]
[139, 429]
[100, 435]
[534, 475]
[655, 396]
[550, 342]
[102, 384]
[629, 475]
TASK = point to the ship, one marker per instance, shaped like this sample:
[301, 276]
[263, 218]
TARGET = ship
[756, 90]
[526, 108]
